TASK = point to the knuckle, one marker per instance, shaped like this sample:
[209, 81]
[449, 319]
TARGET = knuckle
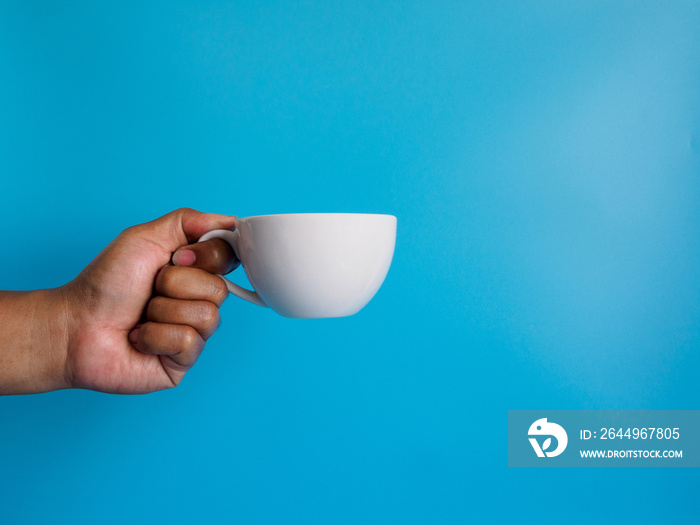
[220, 291]
[167, 279]
[182, 212]
[218, 252]
[224, 257]
[210, 315]
[191, 341]
[131, 231]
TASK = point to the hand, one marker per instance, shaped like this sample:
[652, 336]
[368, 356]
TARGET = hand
[136, 323]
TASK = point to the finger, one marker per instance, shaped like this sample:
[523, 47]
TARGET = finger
[191, 284]
[203, 316]
[214, 256]
[181, 343]
[181, 227]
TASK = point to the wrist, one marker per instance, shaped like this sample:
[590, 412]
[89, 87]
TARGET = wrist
[51, 329]
[33, 341]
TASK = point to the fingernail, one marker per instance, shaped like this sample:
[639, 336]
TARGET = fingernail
[184, 258]
[134, 335]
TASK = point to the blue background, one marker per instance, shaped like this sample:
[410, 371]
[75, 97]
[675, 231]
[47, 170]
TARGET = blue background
[543, 161]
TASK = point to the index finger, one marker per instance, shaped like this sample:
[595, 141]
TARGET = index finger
[214, 256]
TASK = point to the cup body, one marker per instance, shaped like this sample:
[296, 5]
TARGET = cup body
[308, 265]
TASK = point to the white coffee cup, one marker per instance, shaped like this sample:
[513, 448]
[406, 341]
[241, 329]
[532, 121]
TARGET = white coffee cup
[310, 265]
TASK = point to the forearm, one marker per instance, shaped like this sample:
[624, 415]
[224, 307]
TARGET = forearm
[33, 341]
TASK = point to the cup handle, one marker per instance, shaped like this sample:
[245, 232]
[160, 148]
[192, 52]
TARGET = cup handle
[231, 237]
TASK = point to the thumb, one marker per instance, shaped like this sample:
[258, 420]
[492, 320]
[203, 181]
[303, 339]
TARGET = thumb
[184, 226]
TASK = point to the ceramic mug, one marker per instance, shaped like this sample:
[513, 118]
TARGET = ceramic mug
[311, 265]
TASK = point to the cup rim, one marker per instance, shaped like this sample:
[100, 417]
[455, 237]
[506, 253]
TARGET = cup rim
[322, 214]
